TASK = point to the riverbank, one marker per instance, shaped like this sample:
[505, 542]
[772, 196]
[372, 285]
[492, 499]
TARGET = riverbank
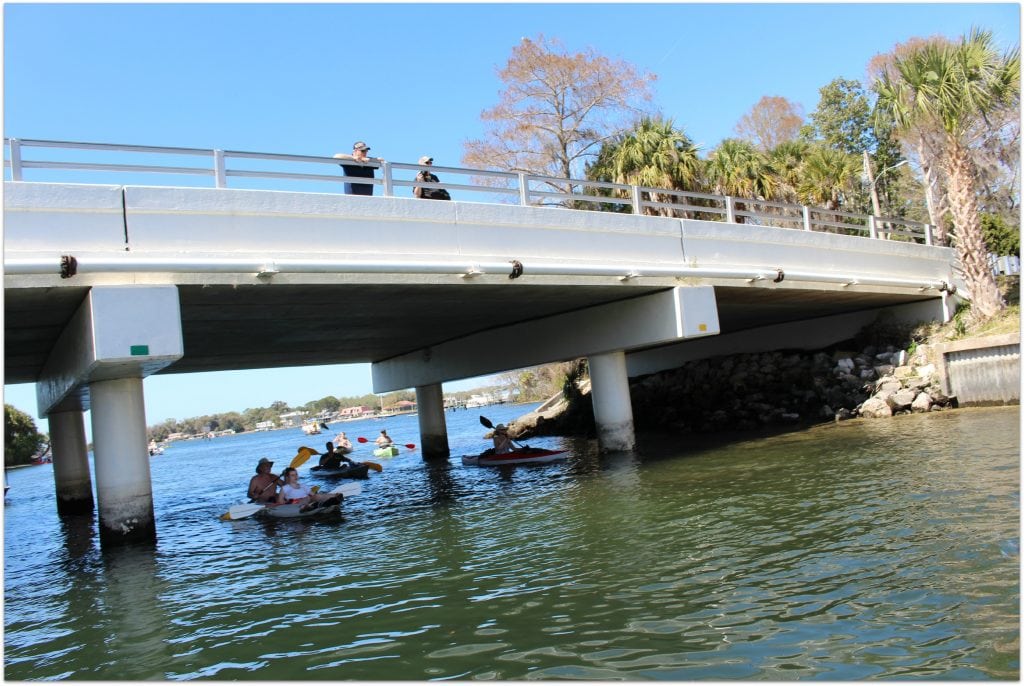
[887, 369]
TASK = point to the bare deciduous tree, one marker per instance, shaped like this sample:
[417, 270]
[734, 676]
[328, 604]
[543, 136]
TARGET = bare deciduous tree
[556, 110]
[773, 120]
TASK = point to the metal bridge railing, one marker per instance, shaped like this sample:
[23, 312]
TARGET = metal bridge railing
[526, 189]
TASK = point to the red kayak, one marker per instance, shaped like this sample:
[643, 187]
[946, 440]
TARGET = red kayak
[525, 455]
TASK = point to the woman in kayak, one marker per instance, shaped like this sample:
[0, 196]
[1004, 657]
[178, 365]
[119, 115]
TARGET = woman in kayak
[502, 442]
[295, 493]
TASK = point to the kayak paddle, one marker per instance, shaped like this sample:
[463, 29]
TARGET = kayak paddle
[410, 446]
[487, 423]
[244, 510]
[303, 457]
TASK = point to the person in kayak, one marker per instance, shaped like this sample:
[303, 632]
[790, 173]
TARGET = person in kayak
[502, 442]
[342, 444]
[384, 441]
[332, 458]
[293, 493]
[263, 486]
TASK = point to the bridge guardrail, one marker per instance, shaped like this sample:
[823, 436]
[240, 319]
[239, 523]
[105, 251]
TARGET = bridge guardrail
[528, 189]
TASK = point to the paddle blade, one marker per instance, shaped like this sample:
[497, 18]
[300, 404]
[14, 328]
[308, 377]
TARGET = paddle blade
[410, 446]
[242, 511]
[486, 422]
[348, 490]
[363, 440]
[374, 466]
[302, 457]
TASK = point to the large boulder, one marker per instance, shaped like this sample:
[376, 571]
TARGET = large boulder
[874, 408]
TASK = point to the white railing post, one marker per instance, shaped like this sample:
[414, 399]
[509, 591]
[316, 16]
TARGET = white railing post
[385, 172]
[637, 209]
[220, 177]
[807, 218]
[15, 159]
[872, 226]
[524, 190]
[730, 210]
[928, 234]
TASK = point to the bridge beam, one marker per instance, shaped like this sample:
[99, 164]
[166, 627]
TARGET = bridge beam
[667, 316]
[433, 429]
[70, 463]
[117, 332]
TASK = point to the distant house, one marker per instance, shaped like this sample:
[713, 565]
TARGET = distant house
[292, 418]
[401, 407]
[355, 412]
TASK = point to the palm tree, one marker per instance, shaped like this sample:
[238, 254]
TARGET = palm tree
[825, 176]
[954, 87]
[654, 155]
[738, 169]
[785, 159]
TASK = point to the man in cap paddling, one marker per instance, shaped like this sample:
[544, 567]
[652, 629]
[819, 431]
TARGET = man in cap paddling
[263, 486]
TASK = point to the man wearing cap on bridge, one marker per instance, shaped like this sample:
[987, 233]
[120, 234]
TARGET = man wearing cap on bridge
[363, 169]
[426, 176]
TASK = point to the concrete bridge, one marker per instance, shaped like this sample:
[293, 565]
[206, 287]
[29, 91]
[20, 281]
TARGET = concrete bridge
[106, 284]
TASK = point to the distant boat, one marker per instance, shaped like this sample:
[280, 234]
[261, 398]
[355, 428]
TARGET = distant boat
[311, 427]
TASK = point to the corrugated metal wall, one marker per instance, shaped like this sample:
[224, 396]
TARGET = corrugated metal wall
[985, 375]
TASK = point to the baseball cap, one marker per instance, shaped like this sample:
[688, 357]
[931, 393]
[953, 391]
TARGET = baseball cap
[426, 159]
[359, 145]
[264, 460]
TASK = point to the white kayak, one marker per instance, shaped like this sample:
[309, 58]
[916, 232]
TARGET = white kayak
[291, 511]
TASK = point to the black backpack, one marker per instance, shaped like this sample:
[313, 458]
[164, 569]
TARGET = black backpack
[433, 193]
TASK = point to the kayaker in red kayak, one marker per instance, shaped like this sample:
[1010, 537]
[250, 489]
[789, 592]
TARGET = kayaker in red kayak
[502, 442]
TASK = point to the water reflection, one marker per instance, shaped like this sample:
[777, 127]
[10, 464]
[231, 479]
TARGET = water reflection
[133, 619]
[440, 483]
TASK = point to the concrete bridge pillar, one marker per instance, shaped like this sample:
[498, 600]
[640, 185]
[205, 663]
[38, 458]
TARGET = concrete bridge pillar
[433, 430]
[70, 462]
[123, 485]
[613, 411]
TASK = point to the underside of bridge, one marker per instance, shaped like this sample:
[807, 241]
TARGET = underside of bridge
[376, 322]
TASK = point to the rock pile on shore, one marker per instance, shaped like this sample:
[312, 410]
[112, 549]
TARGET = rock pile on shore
[775, 388]
[759, 390]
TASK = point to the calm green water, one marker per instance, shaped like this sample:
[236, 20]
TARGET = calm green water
[883, 549]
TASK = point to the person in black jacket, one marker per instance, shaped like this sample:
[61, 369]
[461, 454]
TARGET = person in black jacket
[426, 176]
[362, 167]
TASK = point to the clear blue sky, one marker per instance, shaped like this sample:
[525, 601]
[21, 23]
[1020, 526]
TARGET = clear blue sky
[411, 80]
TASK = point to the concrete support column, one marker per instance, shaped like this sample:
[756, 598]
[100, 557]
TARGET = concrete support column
[433, 430]
[123, 485]
[613, 412]
[70, 462]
